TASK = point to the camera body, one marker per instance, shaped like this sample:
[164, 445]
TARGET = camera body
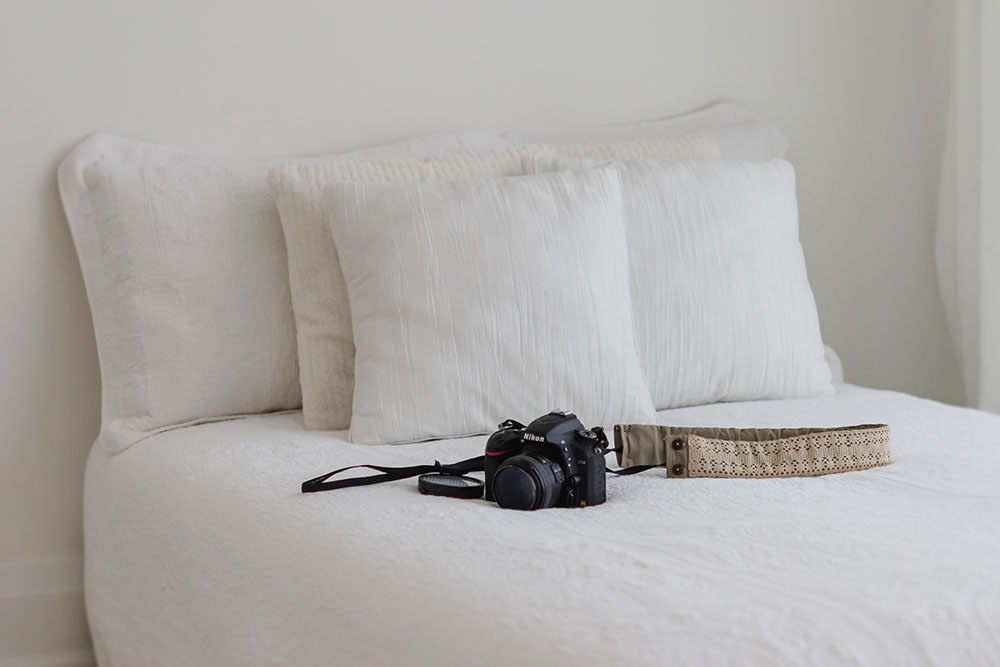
[554, 461]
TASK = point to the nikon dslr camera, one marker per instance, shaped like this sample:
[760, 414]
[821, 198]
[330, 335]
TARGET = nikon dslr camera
[553, 462]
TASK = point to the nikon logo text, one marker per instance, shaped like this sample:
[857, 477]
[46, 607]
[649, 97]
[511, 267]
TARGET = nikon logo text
[533, 437]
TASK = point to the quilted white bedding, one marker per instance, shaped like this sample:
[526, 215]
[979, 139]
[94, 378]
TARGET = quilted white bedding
[200, 550]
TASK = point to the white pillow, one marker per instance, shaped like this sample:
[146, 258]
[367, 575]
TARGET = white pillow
[319, 295]
[723, 306]
[477, 301]
[185, 268]
[731, 131]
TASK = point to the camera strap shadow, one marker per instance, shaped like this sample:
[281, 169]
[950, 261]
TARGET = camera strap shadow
[752, 452]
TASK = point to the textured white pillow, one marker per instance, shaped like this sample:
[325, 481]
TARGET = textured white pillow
[723, 307]
[730, 131]
[186, 272]
[477, 301]
[319, 295]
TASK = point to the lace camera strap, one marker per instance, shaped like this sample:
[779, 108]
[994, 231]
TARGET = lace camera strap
[752, 452]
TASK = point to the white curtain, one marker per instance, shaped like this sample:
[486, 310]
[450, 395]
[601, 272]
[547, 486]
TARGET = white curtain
[968, 235]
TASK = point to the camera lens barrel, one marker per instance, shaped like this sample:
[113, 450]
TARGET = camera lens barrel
[528, 482]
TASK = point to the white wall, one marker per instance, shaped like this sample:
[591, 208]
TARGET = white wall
[860, 85]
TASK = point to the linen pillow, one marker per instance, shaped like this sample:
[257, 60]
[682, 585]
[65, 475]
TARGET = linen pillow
[185, 268]
[578, 156]
[732, 131]
[723, 307]
[476, 301]
[319, 295]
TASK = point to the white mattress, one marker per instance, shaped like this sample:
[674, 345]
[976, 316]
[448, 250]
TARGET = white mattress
[201, 551]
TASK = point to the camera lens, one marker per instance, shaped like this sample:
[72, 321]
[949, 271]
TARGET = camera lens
[527, 482]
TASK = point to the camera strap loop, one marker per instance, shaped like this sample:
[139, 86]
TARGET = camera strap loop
[634, 469]
[390, 474]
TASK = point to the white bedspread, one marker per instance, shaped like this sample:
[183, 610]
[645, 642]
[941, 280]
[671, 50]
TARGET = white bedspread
[202, 551]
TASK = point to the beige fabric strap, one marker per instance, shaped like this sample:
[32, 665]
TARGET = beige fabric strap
[753, 452]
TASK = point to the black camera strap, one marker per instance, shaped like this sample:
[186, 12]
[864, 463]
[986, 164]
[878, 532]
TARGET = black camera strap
[602, 437]
[390, 474]
[633, 470]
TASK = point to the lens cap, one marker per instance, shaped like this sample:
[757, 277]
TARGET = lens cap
[452, 486]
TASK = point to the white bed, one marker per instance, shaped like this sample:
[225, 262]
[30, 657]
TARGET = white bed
[200, 550]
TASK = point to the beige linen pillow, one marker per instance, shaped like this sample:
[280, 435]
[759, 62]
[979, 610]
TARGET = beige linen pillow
[186, 274]
[319, 294]
[737, 132]
[698, 146]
